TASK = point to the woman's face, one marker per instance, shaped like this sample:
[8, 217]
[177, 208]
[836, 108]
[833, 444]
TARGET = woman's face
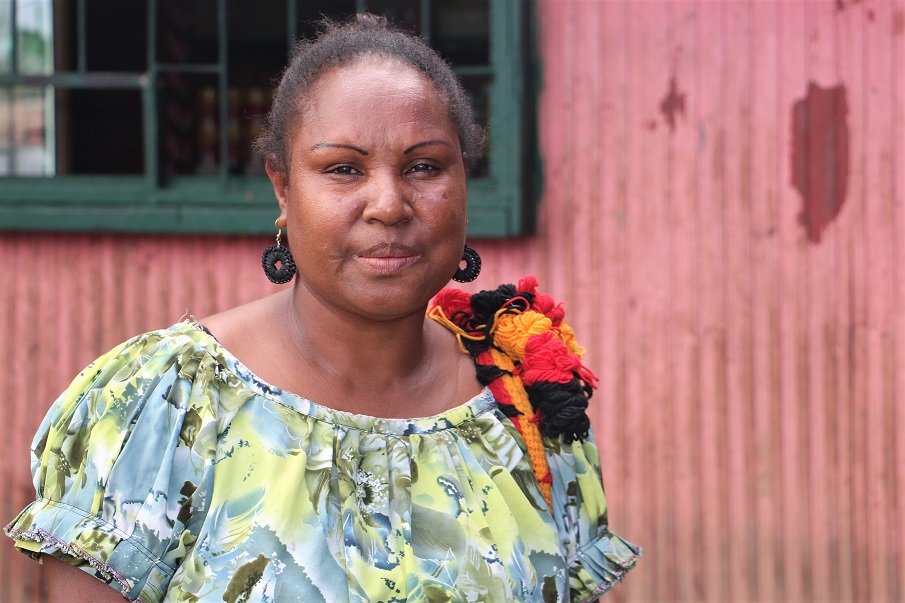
[374, 198]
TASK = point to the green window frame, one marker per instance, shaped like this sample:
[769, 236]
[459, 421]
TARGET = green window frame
[501, 202]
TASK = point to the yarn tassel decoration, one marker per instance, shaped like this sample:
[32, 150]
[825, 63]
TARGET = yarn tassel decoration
[528, 357]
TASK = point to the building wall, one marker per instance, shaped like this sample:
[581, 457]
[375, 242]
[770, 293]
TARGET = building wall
[724, 216]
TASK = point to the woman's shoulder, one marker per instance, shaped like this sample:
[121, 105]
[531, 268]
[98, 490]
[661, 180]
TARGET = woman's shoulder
[145, 356]
[154, 373]
[247, 322]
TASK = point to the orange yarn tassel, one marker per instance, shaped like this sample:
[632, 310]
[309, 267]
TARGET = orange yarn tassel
[529, 429]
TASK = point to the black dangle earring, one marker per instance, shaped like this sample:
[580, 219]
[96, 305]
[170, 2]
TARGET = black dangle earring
[278, 263]
[472, 266]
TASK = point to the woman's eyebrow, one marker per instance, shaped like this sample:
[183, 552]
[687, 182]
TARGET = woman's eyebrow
[424, 144]
[339, 146]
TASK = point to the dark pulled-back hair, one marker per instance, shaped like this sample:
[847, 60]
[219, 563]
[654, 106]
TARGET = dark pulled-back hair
[343, 43]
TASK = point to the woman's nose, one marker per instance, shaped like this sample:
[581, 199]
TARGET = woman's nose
[389, 200]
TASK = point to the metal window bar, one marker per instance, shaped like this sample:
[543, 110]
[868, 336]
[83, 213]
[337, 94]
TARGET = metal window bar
[14, 71]
[14, 46]
[149, 103]
[8, 97]
[223, 87]
[292, 17]
[426, 21]
[82, 38]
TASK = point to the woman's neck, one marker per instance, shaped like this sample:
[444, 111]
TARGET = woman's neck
[408, 367]
[351, 347]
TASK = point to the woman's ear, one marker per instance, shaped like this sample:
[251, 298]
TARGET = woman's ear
[280, 185]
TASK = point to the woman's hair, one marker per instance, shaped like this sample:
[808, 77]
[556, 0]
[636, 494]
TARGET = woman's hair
[342, 44]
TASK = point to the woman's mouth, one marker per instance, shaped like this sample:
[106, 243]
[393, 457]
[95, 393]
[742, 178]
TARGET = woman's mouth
[388, 258]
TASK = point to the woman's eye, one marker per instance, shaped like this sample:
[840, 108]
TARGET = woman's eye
[343, 170]
[424, 168]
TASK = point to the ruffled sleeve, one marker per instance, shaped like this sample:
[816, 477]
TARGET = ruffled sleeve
[598, 558]
[121, 465]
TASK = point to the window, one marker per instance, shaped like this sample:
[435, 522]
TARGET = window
[138, 116]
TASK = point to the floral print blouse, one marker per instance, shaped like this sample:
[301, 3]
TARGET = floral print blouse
[170, 471]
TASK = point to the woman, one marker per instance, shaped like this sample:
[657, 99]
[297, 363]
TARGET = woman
[180, 467]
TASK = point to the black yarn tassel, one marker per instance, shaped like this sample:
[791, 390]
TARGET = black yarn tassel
[562, 408]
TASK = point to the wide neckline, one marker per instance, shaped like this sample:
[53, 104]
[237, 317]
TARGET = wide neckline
[448, 419]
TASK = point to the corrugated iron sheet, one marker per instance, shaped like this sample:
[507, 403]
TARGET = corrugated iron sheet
[724, 215]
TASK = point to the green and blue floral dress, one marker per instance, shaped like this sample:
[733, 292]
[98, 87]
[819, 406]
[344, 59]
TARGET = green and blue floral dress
[172, 472]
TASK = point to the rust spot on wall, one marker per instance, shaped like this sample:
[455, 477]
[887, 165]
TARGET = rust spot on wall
[820, 156]
[898, 23]
[672, 104]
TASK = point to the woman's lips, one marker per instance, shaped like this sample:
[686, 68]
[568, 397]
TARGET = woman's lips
[389, 265]
[388, 258]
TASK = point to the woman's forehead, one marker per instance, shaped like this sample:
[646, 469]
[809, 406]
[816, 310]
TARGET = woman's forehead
[372, 75]
[369, 95]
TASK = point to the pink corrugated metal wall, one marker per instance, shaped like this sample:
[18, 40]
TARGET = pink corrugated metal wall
[724, 215]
